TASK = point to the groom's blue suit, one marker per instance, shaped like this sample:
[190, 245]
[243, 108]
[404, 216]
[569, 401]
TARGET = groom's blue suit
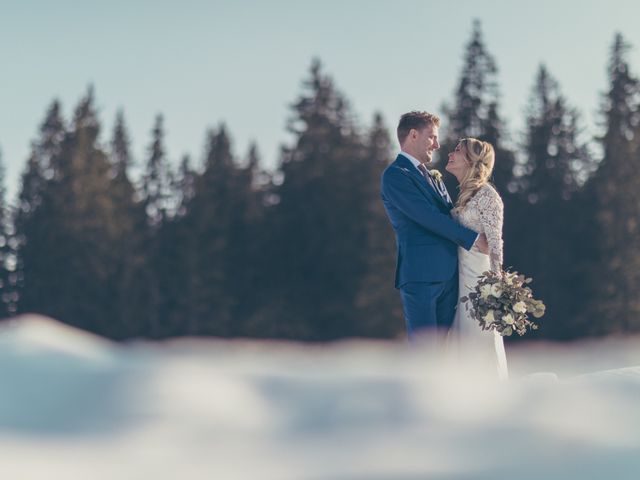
[427, 239]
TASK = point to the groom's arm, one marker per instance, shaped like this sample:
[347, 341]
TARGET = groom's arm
[404, 195]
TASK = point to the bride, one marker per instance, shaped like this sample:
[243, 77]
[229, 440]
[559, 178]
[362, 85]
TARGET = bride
[480, 208]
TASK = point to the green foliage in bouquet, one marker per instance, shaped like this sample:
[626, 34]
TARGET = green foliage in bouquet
[501, 301]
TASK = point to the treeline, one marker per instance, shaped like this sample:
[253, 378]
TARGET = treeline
[222, 247]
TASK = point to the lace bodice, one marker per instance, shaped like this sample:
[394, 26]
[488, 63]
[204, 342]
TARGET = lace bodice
[485, 213]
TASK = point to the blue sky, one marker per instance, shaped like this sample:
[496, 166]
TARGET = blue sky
[242, 62]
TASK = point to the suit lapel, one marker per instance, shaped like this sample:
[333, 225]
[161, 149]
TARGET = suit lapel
[405, 165]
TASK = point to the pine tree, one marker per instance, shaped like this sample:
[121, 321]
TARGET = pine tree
[261, 316]
[33, 218]
[319, 219]
[129, 289]
[180, 258]
[82, 201]
[555, 159]
[156, 182]
[616, 191]
[184, 185]
[67, 253]
[156, 194]
[475, 113]
[380, 311]
[477, 92]
[549, 249]
[218, 220]
[250, 241]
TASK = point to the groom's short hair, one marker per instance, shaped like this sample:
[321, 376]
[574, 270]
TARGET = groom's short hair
[415, 120]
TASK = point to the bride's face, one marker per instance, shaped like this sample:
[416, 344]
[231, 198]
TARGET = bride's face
[458, 165]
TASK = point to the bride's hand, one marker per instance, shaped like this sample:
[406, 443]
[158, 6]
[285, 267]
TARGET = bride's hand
[481, 244]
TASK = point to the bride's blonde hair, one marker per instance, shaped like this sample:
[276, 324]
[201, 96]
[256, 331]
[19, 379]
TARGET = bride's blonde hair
[481, 158]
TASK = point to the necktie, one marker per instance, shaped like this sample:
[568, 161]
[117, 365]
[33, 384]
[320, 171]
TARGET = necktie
[425, 174]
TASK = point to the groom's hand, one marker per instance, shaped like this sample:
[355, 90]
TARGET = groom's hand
[481, 244]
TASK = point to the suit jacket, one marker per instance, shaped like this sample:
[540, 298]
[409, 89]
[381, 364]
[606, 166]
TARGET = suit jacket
[426, 236]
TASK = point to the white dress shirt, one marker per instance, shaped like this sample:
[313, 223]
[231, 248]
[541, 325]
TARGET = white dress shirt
[413, 159]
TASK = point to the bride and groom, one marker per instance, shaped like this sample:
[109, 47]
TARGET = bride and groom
[442, 247]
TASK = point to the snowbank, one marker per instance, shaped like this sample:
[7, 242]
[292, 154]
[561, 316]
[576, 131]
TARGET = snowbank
[74, 406]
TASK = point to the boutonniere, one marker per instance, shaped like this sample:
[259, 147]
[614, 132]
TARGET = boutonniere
[436, 175]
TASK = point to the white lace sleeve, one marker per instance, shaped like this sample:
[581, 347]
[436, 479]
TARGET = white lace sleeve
[491, 211]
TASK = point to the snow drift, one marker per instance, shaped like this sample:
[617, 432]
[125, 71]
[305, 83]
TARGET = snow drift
[75, 406]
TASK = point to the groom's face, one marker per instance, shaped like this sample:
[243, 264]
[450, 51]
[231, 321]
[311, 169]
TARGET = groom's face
[427, 143]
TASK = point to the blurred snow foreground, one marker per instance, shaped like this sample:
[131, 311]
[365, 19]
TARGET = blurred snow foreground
[73, 406]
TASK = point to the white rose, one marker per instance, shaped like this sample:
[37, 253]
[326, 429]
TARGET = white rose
[520, 307]
[508, 319]
[508, 279]
[496, 290]
[489, 318]
[485, 291]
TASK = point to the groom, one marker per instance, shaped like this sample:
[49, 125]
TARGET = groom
[418, 206]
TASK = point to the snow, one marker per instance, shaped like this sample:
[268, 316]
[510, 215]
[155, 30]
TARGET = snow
[75, 406]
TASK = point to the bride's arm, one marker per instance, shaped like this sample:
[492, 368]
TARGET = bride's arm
[491, 211]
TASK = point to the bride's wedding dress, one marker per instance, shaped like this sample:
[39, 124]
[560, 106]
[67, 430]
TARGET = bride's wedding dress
[485, 349]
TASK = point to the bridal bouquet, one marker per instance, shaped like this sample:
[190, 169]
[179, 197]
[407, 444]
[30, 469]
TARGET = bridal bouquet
[501, 301]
